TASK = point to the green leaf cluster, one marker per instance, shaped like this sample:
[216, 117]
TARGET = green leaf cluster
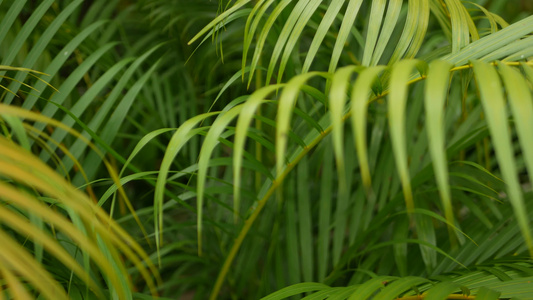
[340, 149]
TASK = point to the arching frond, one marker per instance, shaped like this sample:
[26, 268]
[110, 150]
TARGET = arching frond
[384, 18]
[29, 185]
[396, 95]
[487, 283]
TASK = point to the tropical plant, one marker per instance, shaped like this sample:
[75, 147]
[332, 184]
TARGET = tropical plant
[307, 148]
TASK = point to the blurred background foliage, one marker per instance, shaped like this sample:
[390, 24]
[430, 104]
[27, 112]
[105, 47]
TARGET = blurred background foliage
[140, 114]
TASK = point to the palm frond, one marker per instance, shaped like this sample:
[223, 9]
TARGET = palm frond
[397, 94]
[488, 283]
[88, 226]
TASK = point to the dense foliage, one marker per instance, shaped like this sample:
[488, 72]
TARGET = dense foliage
[340, 149]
